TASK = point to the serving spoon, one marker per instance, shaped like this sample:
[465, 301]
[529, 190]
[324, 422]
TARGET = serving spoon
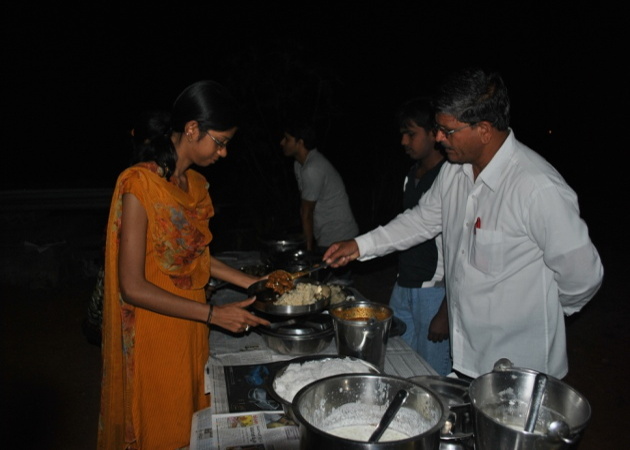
[389, 415]
[281, 281]
[540, 384]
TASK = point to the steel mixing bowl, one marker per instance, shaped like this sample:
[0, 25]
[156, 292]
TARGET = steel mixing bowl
[317, 407]
[298, 336]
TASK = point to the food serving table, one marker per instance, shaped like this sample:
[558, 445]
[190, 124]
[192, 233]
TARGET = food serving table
[237, 358]
[229, 349]
[249, 348]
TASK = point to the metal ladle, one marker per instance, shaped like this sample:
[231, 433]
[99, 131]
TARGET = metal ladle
[540, 384]
[389, 415]
[282, 281]
[303, 273]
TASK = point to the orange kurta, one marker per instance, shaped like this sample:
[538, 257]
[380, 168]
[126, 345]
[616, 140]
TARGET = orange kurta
[153, 365]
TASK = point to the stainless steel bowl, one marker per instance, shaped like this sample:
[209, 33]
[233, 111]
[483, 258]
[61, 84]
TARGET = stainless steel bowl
[299, 336]
[323, 405]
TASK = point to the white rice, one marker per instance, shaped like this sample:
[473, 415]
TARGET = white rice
[303, 294]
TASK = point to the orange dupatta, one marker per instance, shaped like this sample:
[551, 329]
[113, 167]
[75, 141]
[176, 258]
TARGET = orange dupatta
[137, 342]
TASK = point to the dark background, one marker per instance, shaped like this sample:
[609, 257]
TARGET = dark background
[75, 78]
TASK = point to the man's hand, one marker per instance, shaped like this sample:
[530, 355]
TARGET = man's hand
[341, 253]
[438, 328]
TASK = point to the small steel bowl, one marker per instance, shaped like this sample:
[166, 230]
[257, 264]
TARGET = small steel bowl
[302, 336]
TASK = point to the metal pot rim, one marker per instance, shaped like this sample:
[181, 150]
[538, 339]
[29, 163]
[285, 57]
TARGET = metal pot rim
[434, 429]
[516, 375]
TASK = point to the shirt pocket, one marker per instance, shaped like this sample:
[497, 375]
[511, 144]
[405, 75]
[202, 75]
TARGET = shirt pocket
[486, 254]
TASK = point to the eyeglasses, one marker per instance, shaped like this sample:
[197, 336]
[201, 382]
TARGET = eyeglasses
[220, 144]
[448, 133]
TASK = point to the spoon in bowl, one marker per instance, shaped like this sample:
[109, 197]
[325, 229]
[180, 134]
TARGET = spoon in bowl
[389, 415]
[281, 281]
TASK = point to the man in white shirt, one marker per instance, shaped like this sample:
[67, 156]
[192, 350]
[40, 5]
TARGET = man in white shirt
[517, 254]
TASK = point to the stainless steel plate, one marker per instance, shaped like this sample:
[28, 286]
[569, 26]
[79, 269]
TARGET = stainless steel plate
[266, 297]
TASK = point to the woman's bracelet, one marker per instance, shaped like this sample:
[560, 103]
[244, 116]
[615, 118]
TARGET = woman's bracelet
[209, 314]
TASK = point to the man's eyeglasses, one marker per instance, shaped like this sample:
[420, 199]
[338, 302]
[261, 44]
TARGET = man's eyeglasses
[448, 133]
[220, 144]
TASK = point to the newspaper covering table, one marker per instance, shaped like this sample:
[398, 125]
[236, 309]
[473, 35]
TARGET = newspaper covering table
[253, 421]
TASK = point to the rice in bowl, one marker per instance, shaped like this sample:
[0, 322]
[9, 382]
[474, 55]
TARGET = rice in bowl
[303, 294]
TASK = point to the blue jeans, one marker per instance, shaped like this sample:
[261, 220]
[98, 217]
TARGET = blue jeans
[416, 307]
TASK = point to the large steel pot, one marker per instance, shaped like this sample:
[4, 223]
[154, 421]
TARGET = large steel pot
[317, 405]
[500, 402]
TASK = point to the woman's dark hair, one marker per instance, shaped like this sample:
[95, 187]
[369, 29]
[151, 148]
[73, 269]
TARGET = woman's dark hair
[418, 111]
[474, 95]
[207, 102]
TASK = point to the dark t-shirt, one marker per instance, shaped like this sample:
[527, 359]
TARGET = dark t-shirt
[417, 264]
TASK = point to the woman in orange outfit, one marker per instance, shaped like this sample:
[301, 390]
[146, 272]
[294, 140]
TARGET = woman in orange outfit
[157, 265]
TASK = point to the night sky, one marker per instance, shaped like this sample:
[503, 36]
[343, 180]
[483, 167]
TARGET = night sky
[75, 78]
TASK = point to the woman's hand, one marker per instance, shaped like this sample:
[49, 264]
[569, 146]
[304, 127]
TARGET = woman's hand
[222, 271]
[235, 317]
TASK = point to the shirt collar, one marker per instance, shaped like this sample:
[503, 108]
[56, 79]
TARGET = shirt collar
[309, 153]
[492, 173]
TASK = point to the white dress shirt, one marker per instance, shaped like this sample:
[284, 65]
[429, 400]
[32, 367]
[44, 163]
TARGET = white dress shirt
[517, 256]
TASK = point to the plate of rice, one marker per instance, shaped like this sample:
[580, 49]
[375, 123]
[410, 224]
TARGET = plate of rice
[307, 297]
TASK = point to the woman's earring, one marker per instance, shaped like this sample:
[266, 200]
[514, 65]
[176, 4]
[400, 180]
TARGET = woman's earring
[189, 135]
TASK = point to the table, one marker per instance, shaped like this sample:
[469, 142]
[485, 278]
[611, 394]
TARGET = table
[227, 349]
[211, 426]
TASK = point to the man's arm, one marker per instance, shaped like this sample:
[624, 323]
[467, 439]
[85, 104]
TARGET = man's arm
[563, 236]
[307, 210]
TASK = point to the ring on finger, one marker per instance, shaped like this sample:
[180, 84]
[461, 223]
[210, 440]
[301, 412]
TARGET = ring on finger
[246, 328]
